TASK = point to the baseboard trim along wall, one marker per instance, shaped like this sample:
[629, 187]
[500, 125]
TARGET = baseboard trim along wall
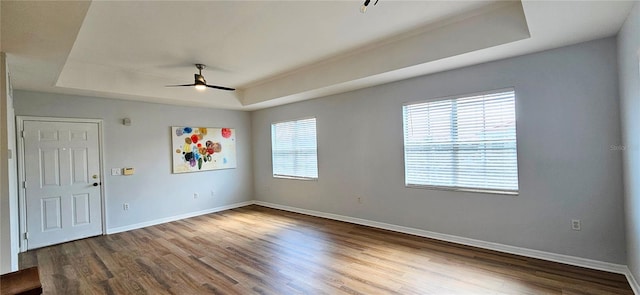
[566, 259]
[176, 217]
[633, 282]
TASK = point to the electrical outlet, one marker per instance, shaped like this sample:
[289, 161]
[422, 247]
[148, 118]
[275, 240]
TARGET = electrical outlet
[213, 193]
[576, 224]
[195, 195]
[125, 206]
[359, 200]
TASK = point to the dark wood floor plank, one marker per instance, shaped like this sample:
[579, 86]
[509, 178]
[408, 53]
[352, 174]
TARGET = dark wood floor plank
[257, 250]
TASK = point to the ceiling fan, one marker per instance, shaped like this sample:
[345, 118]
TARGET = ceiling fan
[200, 83]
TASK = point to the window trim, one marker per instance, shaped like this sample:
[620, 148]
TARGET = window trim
[457, 188]
[278, 176]
[464, 95]
[293, 177]
[463, 189]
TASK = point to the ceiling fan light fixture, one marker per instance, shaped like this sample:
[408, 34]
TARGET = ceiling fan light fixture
[363, 8]
[200, 83]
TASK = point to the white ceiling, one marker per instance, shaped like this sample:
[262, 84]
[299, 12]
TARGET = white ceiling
[275, 52]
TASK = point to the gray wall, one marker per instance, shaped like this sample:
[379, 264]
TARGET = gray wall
[153, 192]
[628, 62]
[567, 120]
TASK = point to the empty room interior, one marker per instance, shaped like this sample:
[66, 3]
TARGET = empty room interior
[320, 147]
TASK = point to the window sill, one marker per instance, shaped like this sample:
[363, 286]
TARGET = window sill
[466, 190]
[295, 178]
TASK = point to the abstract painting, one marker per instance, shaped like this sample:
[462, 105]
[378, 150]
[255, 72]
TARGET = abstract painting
[203, 148]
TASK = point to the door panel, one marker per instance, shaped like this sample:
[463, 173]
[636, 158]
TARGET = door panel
[50, 168]
[61, 166]
[79, 166]
[48, 135]
[78, 135]
[81, 209]
[52, 214]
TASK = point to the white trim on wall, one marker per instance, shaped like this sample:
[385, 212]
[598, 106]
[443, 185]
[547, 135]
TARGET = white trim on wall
[632, 281]
[566, 259]
[176, 217]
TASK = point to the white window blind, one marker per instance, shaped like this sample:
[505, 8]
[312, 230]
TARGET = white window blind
[294, 149]
[462, 143]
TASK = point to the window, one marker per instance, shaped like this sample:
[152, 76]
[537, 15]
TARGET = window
[462, 143]
[294, 149]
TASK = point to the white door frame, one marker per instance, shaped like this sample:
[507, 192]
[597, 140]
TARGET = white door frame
[21, 169]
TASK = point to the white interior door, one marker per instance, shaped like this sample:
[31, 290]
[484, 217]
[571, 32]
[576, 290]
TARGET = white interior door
[62, 182]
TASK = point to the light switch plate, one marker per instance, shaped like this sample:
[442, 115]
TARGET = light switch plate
[116, 171]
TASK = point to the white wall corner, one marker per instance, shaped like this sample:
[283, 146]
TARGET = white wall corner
[8, 175]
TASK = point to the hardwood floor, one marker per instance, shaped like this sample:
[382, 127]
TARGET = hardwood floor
[257, 250]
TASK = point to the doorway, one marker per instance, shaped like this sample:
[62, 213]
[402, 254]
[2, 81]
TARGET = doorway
[60, 180]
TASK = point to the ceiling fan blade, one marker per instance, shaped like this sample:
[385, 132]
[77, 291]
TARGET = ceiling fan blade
[220, 87]
[180, 85]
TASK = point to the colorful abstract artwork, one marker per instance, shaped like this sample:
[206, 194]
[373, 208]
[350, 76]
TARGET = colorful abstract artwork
[203, 148]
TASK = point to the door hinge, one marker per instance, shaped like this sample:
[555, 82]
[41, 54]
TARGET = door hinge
[22, 133]
[26, 235]
[24, 184]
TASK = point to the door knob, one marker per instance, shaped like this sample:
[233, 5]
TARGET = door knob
[95, 184]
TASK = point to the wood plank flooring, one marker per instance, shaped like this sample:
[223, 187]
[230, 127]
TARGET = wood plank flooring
[258, 250]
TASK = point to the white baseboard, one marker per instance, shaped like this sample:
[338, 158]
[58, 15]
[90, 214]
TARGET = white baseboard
[176, 217]
[632, 282]
[566, 259]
